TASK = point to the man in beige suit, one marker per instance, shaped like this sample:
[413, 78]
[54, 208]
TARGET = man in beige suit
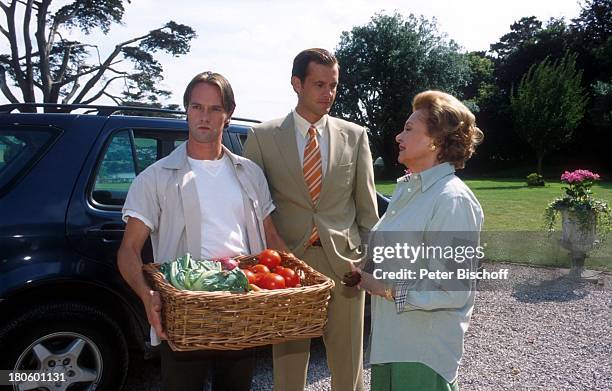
[319, 169]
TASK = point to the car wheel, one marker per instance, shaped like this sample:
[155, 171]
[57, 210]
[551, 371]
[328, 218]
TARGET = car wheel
[76, 343]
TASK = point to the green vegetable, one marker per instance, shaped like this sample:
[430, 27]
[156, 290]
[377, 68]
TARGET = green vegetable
[203, 275]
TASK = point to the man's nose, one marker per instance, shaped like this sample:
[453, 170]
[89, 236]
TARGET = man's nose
[204, 115]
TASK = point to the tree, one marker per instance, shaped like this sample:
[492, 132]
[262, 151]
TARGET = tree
[527, 43]
[521, 32]
[594, 24]
[548, 105]
[482, 83]
[592, 31]
[383, 65]
[76, 72]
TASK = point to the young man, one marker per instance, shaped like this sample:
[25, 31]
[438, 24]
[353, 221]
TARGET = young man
[319, 169]
[204, 200]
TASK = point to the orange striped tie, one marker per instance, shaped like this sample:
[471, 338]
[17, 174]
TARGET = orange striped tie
[313, 173]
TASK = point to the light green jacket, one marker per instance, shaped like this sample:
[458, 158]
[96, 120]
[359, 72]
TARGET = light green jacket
[430, 324]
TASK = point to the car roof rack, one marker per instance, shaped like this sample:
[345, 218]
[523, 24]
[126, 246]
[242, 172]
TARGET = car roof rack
[98, 109]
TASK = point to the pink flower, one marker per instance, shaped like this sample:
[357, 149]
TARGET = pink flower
[578, 176]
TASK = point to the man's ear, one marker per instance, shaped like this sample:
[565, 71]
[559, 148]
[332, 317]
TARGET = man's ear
[229, 119]
[296, 83]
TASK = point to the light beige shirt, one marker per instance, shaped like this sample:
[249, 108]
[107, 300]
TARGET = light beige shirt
[164, 196]
[426, 325]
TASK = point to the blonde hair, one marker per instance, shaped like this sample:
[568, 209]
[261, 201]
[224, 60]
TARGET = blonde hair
[451, 124]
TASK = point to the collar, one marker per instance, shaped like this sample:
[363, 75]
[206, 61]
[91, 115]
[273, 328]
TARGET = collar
[432, 175]
[302, 126]
[178, 158]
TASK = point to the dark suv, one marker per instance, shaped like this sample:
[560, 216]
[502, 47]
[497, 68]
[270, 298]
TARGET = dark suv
[63, 179]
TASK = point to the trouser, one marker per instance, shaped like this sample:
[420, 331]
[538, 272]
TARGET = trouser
[231, 370]
[408, 376]
[343, 338]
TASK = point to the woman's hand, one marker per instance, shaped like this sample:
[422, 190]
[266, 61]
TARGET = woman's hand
[368, 283]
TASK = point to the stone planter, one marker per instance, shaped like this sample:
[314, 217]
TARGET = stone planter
[579, 239]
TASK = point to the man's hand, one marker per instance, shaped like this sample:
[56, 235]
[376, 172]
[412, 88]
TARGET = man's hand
[368, 283]
[153, 307]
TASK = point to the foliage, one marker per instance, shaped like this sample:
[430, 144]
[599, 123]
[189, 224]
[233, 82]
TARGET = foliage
[76, 72]
[529, 41]
[481, 88]
[593, 24]
[578, 199]
[548, 105]
[535, 179]
[383, 65]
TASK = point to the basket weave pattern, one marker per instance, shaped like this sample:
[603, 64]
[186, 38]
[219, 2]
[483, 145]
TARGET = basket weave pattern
[233, 321]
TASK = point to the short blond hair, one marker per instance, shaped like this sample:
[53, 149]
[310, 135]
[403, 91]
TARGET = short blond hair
[451, 124]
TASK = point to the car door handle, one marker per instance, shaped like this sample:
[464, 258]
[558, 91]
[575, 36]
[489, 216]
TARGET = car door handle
[109, 232]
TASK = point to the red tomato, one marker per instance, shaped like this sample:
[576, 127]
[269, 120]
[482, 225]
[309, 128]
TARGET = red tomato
[269, 258]
[272, 281]
[277, 269]
[250, 276]
[257, 279]
[260, 269]
[291, 277]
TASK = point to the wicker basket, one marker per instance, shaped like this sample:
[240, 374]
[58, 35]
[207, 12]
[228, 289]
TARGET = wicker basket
[233, 321]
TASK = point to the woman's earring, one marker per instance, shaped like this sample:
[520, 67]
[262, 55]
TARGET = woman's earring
[432, 147]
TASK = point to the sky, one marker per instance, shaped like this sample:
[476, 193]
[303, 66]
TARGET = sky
[253, 42]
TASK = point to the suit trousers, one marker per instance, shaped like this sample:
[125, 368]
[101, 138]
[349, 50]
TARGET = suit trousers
[343, 337]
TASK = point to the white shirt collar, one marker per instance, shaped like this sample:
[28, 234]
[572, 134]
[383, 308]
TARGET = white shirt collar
[302, 126]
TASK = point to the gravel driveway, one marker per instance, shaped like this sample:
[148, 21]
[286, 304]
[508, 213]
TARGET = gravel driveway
[539, 331]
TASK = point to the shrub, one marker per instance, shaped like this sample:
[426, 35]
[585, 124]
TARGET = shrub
[534, 179]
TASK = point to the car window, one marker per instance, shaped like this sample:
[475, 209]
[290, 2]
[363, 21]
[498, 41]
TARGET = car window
[116, 171]
[242, 137]
[147, 151]
[20, 148]
[117, 168]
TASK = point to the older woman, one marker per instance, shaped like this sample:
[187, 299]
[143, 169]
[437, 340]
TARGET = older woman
[418, 324]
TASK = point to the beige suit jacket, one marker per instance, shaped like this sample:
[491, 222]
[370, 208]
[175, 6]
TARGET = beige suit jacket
[347, 204]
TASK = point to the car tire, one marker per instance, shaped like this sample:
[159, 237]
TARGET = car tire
[76, 340]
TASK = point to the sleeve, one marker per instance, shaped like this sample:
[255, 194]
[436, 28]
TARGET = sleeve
[263, 192]
[364, 189]
[142, 202]
[455, 224]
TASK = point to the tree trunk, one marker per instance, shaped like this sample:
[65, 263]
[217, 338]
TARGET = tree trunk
[540, 158]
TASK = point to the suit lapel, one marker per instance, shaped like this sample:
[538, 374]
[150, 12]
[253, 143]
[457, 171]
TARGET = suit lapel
[287, 145]
[337, 145]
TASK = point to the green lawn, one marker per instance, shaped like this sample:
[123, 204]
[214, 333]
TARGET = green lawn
[513, 227]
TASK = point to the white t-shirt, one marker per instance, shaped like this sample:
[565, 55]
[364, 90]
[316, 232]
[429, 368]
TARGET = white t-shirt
[222, 208]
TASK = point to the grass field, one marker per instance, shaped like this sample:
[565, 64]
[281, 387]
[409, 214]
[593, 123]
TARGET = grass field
[514, 228]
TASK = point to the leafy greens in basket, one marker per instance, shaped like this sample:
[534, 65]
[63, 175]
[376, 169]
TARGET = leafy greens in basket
[190, 274]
